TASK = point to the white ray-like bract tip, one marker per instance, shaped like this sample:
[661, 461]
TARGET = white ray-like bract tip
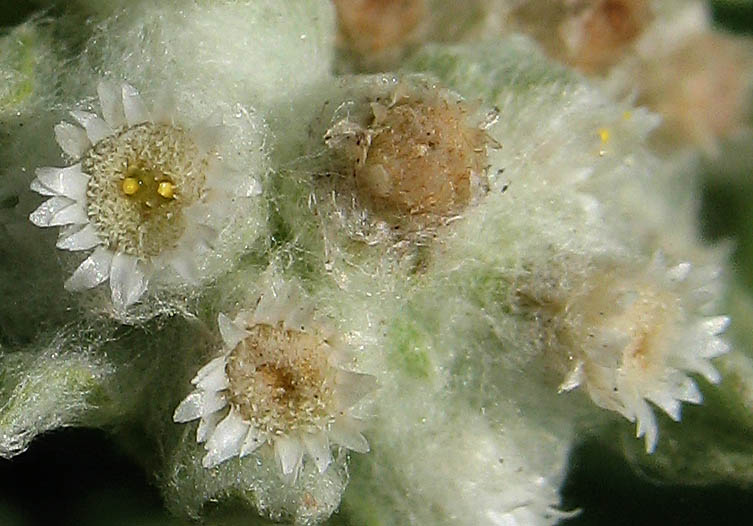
[44, 214]
[82, 239]
[207, 425]
[185, 265]
[289, 454]
[127, 280]
[68, 182]
[253, 441]
[133, 107]
[94, 270]
[318, 448]
[74, 214]
[216, 364]
[345, 433]
[111, 101]
[226, 440]
[72, 139]
[214, 381]
[232, 333]
[190, 408]
[96, 128]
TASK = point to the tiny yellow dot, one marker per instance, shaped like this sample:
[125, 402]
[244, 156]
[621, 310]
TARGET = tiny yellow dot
[627, 115]
[604, 135]
[166, 189]
[130, 185]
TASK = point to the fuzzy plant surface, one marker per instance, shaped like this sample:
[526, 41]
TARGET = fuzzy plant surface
[308, 262]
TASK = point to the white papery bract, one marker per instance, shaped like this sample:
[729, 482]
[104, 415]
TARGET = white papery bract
[636, 339]
[145, 193]
[277, 382]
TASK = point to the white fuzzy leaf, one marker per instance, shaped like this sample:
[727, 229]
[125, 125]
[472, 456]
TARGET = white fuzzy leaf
[715, 325]
[714, 347]
[679, 273]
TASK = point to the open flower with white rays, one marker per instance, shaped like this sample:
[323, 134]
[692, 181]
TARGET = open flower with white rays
[145, 193]
[277, 382]
[636, 338]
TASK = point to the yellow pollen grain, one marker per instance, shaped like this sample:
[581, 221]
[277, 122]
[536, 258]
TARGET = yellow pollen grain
[604, 135]
[130, 185]
[166, 189]
[627, 115]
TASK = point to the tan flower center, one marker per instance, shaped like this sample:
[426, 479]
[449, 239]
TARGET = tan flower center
[140, 180]
[280, 380]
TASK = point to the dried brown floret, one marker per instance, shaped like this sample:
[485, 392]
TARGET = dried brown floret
[378, 30]
[599, 35]
[592, 34]
[420, 159]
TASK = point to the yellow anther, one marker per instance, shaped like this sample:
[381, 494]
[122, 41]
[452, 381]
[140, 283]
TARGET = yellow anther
[627, 115]
[130, 185]
[604, 135]
[166, 189]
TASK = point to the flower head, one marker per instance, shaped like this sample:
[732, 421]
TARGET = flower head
[635, 339]
[277, 382]
[417, 161]
[143, 193]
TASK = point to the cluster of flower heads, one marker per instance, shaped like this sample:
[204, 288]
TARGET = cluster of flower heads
[665, 55]
[636, 337]
[278, 381]
[145, 192]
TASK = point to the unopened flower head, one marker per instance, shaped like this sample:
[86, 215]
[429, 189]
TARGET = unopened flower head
[419, 160]
[636, 339]
[278, 382]
[143, 193]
